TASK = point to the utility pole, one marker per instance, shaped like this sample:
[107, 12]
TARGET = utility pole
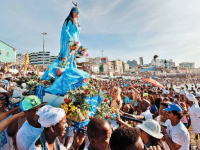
[44, 33]
[102, 53]
[102, 59]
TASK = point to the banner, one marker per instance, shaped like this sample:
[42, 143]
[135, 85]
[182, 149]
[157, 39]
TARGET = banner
[37, 69]
[101, 68]
[8, 68]
[26, 62]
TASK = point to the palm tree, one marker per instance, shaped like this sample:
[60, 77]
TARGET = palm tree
[154, 58]
[165, 62]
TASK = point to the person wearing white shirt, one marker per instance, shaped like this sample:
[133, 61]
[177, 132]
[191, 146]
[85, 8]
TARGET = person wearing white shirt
[176, 135]
[194, 112]
[144, 106]
[31, 129]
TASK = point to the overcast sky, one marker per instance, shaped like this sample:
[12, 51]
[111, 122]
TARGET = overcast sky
[124, 29]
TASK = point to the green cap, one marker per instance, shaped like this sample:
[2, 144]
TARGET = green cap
[31, 102]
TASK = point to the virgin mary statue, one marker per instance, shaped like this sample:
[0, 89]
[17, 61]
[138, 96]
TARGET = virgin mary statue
[64, 69]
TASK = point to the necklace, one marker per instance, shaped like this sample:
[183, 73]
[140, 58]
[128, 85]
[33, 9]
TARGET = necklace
[43, 141]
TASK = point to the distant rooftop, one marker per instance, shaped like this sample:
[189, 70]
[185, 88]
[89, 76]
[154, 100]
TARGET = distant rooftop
[8, 45]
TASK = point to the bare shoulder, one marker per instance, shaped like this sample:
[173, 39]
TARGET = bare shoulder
[38, 143]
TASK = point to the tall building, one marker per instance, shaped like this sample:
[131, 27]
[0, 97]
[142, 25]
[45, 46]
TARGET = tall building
[36, 58]
[161, 63]
[132, 63]
[53, 58]
[97, 60]
[117, 66]
[141, 60]
[7, 53]
[187, 65]
[125, 67]
[45, 57]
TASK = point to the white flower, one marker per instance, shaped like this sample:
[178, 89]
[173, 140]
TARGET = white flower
[23, 85]
[71, 42]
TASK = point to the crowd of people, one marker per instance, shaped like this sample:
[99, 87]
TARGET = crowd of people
[155, 118]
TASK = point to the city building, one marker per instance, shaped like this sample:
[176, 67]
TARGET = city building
[33, 58]
[36, 58]
[188, 65]
[125, 67]
[117, 66]
[53, 58]
[7, 53]
[141, 61]
[44, 57]
[97, 60]
[161, 63]
[132, 63]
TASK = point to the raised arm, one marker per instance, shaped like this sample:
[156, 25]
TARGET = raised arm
[8, 113]
[7, 122]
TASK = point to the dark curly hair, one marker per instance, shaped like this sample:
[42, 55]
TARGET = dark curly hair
[125, 138]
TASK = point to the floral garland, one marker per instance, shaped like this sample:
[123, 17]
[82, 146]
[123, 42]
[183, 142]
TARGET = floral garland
[82, 51]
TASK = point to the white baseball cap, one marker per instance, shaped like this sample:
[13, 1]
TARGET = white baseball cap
[191, 97]
[197, 95]
[152, 128]
[165, 92]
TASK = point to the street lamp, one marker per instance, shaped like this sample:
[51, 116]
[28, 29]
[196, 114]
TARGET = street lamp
[102, 53]
[44, 33]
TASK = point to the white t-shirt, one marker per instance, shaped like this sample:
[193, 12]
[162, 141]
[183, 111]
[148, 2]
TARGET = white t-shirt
[179, 134]
[6, 143]
[33, 147]
[147, 115]
[26, 135]
[195, 118]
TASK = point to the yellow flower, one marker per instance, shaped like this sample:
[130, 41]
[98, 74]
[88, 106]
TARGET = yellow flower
[113, 109]
[73, 108]
[83, 113]
[69, 116]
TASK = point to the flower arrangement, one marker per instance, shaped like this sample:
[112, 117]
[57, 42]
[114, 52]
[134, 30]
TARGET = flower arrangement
[63, 61]
[104, 111]
[107, 97]
[73, 45]
[75, 112]
[82, 51]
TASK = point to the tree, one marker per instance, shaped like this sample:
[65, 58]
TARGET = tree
[154, 58]
[165, 62]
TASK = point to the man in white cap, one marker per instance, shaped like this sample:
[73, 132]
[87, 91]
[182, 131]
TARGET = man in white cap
[194, 112]
[55, 123]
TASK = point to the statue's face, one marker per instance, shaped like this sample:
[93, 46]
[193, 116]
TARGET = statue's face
[75, 14]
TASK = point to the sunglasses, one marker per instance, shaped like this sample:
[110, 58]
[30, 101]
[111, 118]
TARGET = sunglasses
[3, 97]
[169, 112]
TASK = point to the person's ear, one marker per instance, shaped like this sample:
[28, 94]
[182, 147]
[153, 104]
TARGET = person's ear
[52, 128]
[93, 142]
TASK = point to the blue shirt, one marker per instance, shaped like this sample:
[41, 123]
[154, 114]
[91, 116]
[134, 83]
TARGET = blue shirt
[128, 101]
